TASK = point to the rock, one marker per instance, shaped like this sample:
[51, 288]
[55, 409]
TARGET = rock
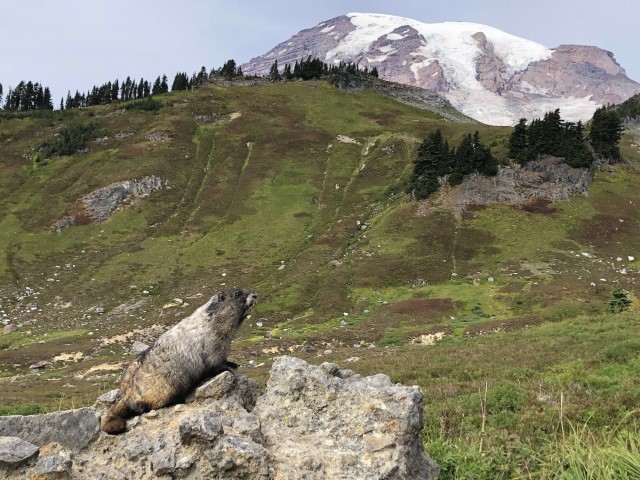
[138, 347]
[548, 179]
[15, 451]
[73, 429]
[63, 223]
[201, 427]
[9, 329]
[108, 397]
[239, 388]
[163, 460]
[101, 203]
[54, 463]
[41, 365]
[319, 425]
[312, 422]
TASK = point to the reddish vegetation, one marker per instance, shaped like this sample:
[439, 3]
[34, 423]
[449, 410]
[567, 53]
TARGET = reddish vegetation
[440, 305]
[517, 323]
[539, 205]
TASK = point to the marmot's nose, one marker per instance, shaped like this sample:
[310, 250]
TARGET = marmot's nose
[252, 298]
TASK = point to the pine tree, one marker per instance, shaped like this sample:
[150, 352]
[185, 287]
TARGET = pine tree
[274, 74]
[155, 90]
[228, 70]
[433, 161]
[46, 99]
[606, 130]
[518, 142]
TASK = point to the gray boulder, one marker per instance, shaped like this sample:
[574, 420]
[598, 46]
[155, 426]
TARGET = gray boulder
[15, 452]
[73, 429]
[313, 422]
[325, 422]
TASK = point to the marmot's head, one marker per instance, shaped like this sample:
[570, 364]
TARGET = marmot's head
[232, 304]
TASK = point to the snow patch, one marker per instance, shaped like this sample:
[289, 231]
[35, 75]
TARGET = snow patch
[387, 49]
[327, 29]
[380, 58]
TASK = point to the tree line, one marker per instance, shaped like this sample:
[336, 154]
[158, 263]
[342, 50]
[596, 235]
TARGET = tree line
[553, 136]
[314, 68]
[27, 96]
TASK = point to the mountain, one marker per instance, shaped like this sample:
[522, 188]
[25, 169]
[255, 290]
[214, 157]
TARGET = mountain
[487, 74]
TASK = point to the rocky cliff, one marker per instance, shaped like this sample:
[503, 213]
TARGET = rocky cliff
[485, 73]
[313, 422]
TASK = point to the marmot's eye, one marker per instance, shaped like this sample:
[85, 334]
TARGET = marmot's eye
[237, 294]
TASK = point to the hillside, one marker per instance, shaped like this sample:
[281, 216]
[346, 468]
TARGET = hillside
[490, 75]
[295, 190]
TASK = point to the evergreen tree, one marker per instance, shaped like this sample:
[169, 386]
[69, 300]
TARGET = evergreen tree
[228, 70]
[180, 82]
[115, 88]
[47, 103]
[140, 92]
[164, 86]
[155, 90]
[274, 74]
[518, 142]
[606, 130]
[432, 162]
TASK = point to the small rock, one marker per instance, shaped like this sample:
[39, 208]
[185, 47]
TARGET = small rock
[14, 451]
[108, 397]
[39, 365]
[185, 462]
[9, 329]
[631, 258]
[138, 347]
[99, 310]
[200, 427]
[55, 466]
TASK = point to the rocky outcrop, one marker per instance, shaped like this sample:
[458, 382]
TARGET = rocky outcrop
[485, 73]
[100, 204]
[548, 179]
[313, 422]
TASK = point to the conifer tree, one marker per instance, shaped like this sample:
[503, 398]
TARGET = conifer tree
[606, 130]
[274, 74]
[155, 90]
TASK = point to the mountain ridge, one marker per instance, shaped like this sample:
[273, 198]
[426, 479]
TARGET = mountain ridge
[487, 74]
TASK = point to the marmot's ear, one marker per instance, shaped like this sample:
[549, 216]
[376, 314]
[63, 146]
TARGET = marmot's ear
[217, 298]
[221, 297]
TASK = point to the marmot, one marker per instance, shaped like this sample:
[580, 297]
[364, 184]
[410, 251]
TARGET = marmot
[194, 349]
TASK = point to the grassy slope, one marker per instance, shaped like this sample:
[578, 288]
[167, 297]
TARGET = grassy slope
[270, 199]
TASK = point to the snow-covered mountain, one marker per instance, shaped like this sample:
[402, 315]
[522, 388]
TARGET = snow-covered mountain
[489, 75]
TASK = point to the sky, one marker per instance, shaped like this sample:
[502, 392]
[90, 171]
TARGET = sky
[76, 44]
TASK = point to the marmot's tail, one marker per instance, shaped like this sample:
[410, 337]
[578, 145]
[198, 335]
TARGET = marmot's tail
[115, 421]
